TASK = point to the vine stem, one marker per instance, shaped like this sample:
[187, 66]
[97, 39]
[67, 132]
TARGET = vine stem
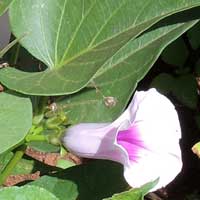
[16, 54]
[42, 104]
[33, 137]
[12, 163]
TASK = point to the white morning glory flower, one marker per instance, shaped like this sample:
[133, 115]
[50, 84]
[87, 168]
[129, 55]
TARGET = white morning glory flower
[4, 30]
[144, 139]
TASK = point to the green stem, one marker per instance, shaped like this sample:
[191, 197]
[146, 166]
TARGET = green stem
[42, 104]
[41, 138]
[16, 54]
[12, 163]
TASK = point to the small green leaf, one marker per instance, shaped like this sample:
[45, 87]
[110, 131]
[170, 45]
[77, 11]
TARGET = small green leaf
[134, 194]
[196, 149]
[76, 38]
[43, 146]
[15, 119]
[64, 164]
[26, 193]
[24, 166]
[4, 5]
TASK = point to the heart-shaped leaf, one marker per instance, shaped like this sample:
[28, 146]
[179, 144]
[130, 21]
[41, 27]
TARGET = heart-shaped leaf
[119, 76]
[15, 119]
[75, 38]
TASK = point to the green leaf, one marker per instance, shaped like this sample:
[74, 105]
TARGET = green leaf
[76, 38]
[43, 146]
[196, 149]
[163, 82]
[193, 36]
[176, 53]
[85, 182]
[134, 194]
[185, 90]
[26, 192]
[120, 75]
[4, 5]
[15, 119]
[24, 166]
[64, 164]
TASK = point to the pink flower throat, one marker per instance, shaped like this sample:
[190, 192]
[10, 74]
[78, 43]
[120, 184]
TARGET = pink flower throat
[130, 141]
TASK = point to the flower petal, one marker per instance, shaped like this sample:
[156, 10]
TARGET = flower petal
[153, 166]
[158, 124]
[91, 140]
[130, 112]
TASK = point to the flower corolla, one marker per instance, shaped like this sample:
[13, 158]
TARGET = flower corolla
[144, 139]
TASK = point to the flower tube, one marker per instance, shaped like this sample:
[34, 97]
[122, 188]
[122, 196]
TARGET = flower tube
[144, 139]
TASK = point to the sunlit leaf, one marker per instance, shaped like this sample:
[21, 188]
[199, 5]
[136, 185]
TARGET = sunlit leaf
[26, 192]
[15, 119]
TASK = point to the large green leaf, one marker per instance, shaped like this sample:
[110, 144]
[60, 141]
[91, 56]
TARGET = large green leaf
[26, 192]
[95, 180]
[75, 38]
[15, 119]
[134, 194]
[4, 5]
[119, 76]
